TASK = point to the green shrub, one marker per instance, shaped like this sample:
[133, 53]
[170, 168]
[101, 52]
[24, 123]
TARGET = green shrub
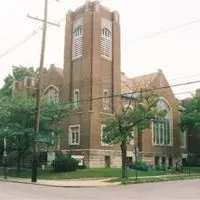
[163, 167]
[158, 167]
[64, 164]
[192, 161]
[141, 165]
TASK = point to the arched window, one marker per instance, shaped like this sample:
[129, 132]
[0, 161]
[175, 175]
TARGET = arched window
[106, 39]
[106, 33]
[162, 128]
[78, 32]
[77, 39]
[51, 94]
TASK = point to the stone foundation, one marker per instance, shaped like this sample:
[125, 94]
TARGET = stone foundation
[150, 159]
[98, 158]
[95, 158]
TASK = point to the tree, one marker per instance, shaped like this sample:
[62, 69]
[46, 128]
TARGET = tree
[18, 73]
[137, 115]
[190, 116]
[17, 122]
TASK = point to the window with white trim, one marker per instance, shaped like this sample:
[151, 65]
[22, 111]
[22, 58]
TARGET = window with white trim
[26, 82]
[105, 100]
[58, 143]
[76, 98]
[32, 82]
[102, 135]
[132, 142]
[183, 138]
[77, 39]
[55, 141]
[106, 39]
[74, 135]
[162, 128]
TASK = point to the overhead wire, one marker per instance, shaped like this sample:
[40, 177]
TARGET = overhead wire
[166, 30]
[27, 38]
[63, 18]
[9, 50]
[140, 91]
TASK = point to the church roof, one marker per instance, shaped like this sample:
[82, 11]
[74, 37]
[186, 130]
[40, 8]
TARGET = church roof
[59, 70]
[129, 85]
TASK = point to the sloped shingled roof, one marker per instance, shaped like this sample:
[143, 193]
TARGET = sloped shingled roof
[129, 85]
[59, 70]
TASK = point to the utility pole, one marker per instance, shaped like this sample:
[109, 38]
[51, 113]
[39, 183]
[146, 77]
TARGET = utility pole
[136, 150]
[38, 90]
[5, 157]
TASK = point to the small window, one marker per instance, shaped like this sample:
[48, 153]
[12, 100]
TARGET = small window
[132, 142]
[170, 160]
[183, 138]
[74, 133]
[33, 82]
[107, 161]
[156, 161]
[58, 144]
[105, 100]
[76, 98]
[102, 132]
[25, 82]
[14, 85]
[163, 160]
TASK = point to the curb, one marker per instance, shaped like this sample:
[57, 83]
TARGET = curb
[58, 186]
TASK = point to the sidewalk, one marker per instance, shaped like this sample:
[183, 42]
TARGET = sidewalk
[80, 183]
[63, 183]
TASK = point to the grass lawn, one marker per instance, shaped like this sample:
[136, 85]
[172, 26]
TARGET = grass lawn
[191, 169]
[83, 173]
[157, 179]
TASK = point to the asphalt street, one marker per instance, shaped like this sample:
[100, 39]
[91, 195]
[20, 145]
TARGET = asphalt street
[182, 190]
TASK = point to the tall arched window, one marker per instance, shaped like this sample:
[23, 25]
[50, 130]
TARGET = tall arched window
[162, 128]
[77, 39]
[106, 39]
[51, 94]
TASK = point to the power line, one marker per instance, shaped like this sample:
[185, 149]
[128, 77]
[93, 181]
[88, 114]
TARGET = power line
[138, 39]
[9, 50]
[143, 90]
[33, 33]
[166, 30]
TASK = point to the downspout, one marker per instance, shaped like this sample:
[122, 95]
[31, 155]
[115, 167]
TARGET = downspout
[91, 81]
[113, 75]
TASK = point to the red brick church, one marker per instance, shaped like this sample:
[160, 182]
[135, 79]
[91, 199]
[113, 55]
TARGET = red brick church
[92, 70]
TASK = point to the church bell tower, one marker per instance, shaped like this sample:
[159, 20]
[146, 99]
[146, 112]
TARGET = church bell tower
[91, 75]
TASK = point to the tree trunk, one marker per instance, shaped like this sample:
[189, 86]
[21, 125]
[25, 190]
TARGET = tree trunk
[136, 159]
[124, 160]
[19, 162]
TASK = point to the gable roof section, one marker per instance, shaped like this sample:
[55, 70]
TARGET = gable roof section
[56, 69]
[129, 85]
[59, 70]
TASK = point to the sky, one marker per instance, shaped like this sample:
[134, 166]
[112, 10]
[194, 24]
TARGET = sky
[143, 48]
